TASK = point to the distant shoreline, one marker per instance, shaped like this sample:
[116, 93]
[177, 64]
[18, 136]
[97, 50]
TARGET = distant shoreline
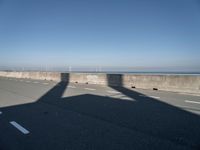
[116, 72]
[148, 73]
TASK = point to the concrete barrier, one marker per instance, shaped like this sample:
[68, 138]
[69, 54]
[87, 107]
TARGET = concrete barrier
[176, 83]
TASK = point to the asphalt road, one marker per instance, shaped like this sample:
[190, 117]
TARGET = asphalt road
[45, 115]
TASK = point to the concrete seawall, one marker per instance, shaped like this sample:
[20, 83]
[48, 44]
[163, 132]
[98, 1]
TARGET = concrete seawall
[175, 83]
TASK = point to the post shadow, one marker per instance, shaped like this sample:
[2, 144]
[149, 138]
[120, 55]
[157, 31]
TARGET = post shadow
[57, 91]
[158, 118]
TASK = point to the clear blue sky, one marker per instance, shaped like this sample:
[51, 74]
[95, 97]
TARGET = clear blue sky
[140, 33]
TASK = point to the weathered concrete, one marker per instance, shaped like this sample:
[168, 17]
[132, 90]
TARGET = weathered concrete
[176, 83]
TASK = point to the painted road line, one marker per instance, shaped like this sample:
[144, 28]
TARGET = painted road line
[113, 92]
[35, 82]
[116, 96]
[45, 83]
[154, 97]
[0, 112]
[149, 96]
[19, 127]
[194, 102]
[143, 95]
[89, 89]
[73, 87]
[192, 94]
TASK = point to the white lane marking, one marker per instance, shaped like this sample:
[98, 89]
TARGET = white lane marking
[45, 83]
[28, 81]
[127, 98]
[73, 87]
[154, 97]
[149, 96]
[89, 89]
[0, 112]
[35, 82]
[143, 95]
[19, 127]
[182, 93]
[193, 94]
[194, 102]
[113, 92]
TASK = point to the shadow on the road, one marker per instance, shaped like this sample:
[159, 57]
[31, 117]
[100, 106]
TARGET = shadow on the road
[57, 91]
[94, 122]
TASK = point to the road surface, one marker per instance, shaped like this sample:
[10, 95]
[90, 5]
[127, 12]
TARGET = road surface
[47, 115]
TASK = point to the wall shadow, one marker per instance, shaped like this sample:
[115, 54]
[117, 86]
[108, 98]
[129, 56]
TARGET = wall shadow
[57, 91]
[157, 118]
[73, 122]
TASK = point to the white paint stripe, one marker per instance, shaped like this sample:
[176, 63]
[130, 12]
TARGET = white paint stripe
[182, 93]
[193, 94]
[149, 96]
[19, 127]
[116, 96]
[154, 97]
[0, 112]
[45, 83]
[35, 82]
[143, 95]
[89, 89]
[72, 87]
[195, 102]
[113, 92]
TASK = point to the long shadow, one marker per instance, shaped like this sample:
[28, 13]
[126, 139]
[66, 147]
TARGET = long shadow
[99, 122]
[57, 91]
[157, 118]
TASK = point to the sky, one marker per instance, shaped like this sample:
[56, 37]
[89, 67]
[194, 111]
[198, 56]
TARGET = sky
[147, 34]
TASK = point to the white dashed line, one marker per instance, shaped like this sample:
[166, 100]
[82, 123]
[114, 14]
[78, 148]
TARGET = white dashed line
[45, 83]
[127, 98]
[73, 87]
[149, 96]
[194, 102]
[113, 92]
[154, 97]
[89, 89]
[19, 127]
[35, 82]
[193, 94]
[143, 95]
[0, 112]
